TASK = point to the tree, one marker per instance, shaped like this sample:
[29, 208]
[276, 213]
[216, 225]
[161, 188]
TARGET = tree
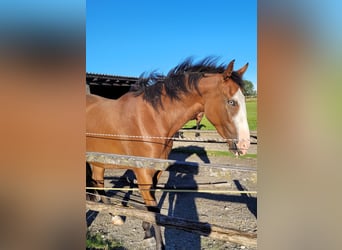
[249, 88]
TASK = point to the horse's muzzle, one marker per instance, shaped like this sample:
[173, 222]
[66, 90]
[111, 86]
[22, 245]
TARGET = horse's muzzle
[240, 148]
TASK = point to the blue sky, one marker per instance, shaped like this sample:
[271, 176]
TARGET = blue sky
[130, 37]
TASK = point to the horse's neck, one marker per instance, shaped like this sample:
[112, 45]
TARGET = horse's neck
[177, 113]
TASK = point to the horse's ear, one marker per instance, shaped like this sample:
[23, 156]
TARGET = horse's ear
[242, 70]
[228, 72]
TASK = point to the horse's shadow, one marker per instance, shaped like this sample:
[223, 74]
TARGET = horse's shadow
[182, 153]
[182, 204]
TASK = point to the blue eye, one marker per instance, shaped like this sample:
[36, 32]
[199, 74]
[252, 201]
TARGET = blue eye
[231, 102]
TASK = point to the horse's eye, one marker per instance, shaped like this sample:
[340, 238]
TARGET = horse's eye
[231, 102]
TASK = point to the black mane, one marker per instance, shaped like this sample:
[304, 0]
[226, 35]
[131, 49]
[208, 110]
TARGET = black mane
[175, 81]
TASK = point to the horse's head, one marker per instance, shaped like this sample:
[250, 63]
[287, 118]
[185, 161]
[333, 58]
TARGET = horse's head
[225, 107]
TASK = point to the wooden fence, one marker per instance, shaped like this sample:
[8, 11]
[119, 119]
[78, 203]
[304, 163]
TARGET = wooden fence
[205, 229]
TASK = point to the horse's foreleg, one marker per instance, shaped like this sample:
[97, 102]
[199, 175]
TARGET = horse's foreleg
[98, 178]
[147, 180]
[89, 183]
[197, 134]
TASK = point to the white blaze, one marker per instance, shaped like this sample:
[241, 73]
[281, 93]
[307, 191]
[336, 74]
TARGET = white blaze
[241, 124]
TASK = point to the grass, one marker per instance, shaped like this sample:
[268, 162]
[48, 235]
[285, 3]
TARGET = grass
[95, 241]
[251, 106]
[205, 123]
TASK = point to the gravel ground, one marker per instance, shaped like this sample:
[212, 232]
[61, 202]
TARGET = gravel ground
[226, 210]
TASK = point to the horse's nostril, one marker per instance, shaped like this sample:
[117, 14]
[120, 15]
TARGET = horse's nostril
[243, 145]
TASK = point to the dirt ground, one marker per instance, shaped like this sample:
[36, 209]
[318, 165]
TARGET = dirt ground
[238, 211]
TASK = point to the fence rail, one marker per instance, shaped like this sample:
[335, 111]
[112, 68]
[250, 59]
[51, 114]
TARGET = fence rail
[202, 228]
[208, 136]
[161, 164]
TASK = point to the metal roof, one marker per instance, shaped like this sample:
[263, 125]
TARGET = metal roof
[109, 80]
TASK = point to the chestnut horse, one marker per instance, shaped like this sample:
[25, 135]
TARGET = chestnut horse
[161, 106]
